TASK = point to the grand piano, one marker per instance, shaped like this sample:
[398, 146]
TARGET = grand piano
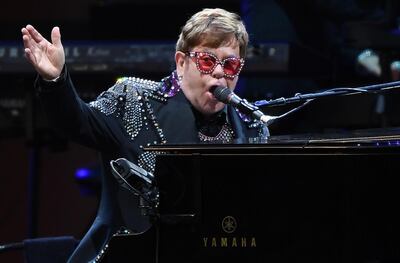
[297, 198]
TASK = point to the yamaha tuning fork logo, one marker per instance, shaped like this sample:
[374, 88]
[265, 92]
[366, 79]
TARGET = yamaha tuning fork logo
[229, 224]
[228, 239]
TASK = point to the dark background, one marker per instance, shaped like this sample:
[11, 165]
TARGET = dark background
[323, 47]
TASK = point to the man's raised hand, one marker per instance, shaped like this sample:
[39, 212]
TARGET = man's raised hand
[47, 58]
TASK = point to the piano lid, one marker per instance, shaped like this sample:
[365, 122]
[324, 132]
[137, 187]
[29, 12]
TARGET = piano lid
[357, 141]
[365, 137]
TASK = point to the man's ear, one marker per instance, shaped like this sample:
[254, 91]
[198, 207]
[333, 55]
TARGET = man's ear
[180, 62]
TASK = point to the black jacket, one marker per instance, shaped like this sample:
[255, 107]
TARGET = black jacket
[130, 115]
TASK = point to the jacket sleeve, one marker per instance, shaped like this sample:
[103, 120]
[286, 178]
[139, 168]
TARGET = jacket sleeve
[98, 124]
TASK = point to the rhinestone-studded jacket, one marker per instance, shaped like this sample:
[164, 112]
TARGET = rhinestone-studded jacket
[119, 123]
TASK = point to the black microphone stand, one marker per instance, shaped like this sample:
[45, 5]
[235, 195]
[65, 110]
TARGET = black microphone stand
[329, 93]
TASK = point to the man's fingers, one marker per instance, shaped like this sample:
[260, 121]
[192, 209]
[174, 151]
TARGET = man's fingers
[56, 36]
[27, 39]
[29, 55]
[34, 33]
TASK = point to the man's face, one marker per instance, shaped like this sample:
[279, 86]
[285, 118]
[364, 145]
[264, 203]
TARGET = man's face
[196, 85]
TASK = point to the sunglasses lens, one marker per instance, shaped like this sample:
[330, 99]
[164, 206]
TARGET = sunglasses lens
[232, 66]
[206, 62]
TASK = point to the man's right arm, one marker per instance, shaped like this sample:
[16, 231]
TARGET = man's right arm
[76, 119]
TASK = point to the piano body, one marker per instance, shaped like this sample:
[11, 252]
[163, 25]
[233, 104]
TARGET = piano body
[291, 199]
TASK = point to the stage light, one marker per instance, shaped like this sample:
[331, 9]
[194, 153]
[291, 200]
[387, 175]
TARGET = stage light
[89, 180]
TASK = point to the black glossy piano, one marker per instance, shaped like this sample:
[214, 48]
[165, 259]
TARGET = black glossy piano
[295, 198]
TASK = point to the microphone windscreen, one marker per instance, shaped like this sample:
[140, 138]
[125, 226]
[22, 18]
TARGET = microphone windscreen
[222, 94]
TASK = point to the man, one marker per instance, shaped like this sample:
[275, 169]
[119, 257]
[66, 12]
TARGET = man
[134, 113]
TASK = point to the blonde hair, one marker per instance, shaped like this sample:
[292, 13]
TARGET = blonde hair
[213, 28]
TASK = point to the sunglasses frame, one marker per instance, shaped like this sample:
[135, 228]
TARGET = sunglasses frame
[195, 55]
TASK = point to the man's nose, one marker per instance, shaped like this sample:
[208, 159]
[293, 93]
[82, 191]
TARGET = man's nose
[218, 71]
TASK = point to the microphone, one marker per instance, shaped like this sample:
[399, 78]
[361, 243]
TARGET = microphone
[137, 180]
[227, 96]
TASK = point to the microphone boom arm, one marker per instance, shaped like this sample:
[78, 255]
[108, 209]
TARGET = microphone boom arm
[329, 93]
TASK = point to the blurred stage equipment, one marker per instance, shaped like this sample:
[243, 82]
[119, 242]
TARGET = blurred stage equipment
[131, 57]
